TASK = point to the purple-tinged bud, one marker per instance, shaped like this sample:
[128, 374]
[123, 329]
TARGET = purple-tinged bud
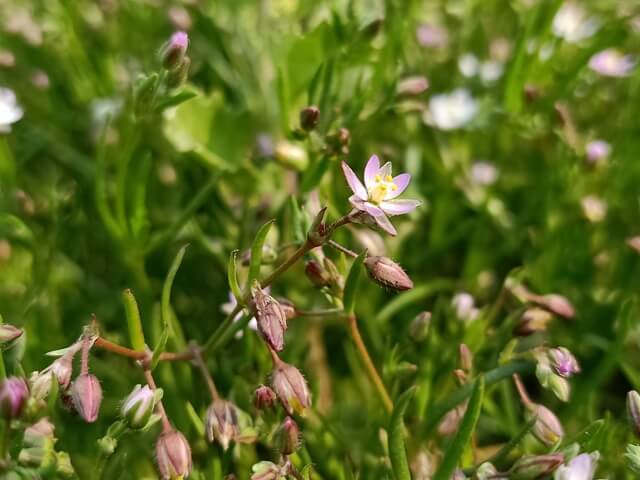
[563, 362]
[13, 397]
[86, 394]
[633, 409]
[309, 117]
[412, 86]
[221, 422]
[178, 75]
[139, 405]
[288, 436]
[9, 333]
[531, 467]
[264, 397]
[533, 320]
[317, 274]
[173, 455]
[419, 328]
[42, 429]
[597, 150]
[291, 388]
[466, 358]
[272, 320]
[558, 305]
[547, 428]
[173, 52]
[288, 308]
[387, 273]
[62, 368]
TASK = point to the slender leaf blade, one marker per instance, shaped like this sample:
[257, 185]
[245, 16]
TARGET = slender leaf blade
[397, 449]
[352, 282]
[256, 253]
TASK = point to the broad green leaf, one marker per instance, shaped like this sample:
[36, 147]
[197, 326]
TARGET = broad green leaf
[397, 449]
[462, 438]
[256, 254]
[352, 282]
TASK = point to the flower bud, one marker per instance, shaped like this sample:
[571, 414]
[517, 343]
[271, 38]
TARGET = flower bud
[86, 394]
[291, 155]
[419, 328]
[40, 384]
[632, 455]
[264, 397]
[486, 471]
[317, 274]
[62, 368]
[412, 86]
[532, 320]
[291, 388]
[633, 410]
[178, 76]
[530, 467]
[338, 142]
[173, 455]
[272, 320]
[563, 362]
[387, 273]
[309, 117]
[547, 428]
[13, 397]
[288, 436]
[174, 50]
[466, 358]
[139, 405]
[221, 422]
[266, 471]
[558, 305]
[8, 333]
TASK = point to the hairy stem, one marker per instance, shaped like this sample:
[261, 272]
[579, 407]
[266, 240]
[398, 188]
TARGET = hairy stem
[199, 361]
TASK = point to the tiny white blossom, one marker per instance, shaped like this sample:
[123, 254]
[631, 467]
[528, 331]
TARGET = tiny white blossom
[10, 109]
[582, 467]
[572, 24]
[449, 111]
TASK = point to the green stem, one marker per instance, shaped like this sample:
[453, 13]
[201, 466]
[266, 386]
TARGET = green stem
[3, 370]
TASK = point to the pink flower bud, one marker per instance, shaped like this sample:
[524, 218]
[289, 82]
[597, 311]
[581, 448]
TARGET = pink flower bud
[309, 117]
[533, 320]
[86, 394]
[633, 409]
[173, 455]
[291, 388]
[530, 467]
[264, 397]
[288, 436]
[547, 428]
[387, 273]
[221, 422]
[174, 50]
[13, 397]
[563, 362]
[558, 304]
[138, 406]
[62, 368]
[272, 320]
[9, 333]
[412, 86]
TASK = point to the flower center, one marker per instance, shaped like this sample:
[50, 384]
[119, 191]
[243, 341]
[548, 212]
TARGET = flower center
[378, 192]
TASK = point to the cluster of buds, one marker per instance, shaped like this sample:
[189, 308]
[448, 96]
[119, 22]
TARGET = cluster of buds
[554, 367]
[38, 450]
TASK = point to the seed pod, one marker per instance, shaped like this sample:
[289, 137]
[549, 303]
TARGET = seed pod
[86, 394]
[288, 436]
[173, 455]
[387, 273]
[139, 405]
[291, 388]
[13, 397]
[173, 52]
[633, 410]
[264, 397]
[221, 422]
[309, 117]
[531, 467]
[272, 320]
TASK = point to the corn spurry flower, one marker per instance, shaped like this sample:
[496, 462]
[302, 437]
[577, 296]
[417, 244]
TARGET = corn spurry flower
[450, 111]
[138, 407]
[173, 455]
[612, 63]
[10, 109]
[581, 467]
[597, 150]
[378, 195]
[221, 422]
[86, 394]
[291, 388]
[13, 396]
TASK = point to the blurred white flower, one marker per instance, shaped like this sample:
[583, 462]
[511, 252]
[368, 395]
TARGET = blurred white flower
[594, 208]
[449, 111]
[572, 24]
[484, 173]
[465, 307]
[597, 150]
[582, 467]
[612, 63]
[469, 65]
[10, 110]
[491, 70]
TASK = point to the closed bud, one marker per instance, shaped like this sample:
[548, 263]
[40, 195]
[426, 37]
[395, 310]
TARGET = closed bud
[264, 397]
[387, 273]
[563, 362]
[288, 308]
[178, 76]
[291, 155]
[86, 394]
[288, 436]
[486, 471]
[309, 117]
[173, 455]
[272, 319]
[531, 467]
[549, 379]
[267, 471]
[632, 456]
[8, 333]
[633, 409]
[40, 384]
[221, 422]
[560, 387]
[419, 328]
[62, 368]
[466, 358]
[412, 86]
[173, 52]
[139, 405]
[13, 397]
[558, 305]
[291, 388]
[532, 320]
[338, 142]
[547, 428]
[317, 274]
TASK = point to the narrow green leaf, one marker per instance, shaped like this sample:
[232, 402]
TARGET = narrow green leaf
[256, 253]
[397, 449]
[175, 100]
[313, 175]
[454, 453]
[352, 282]
[134, 323]
[165, 308]
[232, 275]
[138, 220]
[296, 220]
[586, 435]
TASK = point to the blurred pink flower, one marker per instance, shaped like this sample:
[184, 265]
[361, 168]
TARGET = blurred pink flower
[432, 36]
[612, 63]
[597, 150]
[377, 196]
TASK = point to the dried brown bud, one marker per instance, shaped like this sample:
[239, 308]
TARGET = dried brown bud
[221, 422]
[309, 117]
[264, 397]
[86, 394]
[272, 319]
[173, 455]
[288, 436]
[387, 273]
[291, 388]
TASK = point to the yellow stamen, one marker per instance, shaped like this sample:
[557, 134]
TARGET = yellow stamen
[378, 178]
[394, 187]
[388, 178]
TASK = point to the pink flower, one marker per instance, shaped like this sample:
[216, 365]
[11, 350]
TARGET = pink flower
[612, 63]
[377, 196]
